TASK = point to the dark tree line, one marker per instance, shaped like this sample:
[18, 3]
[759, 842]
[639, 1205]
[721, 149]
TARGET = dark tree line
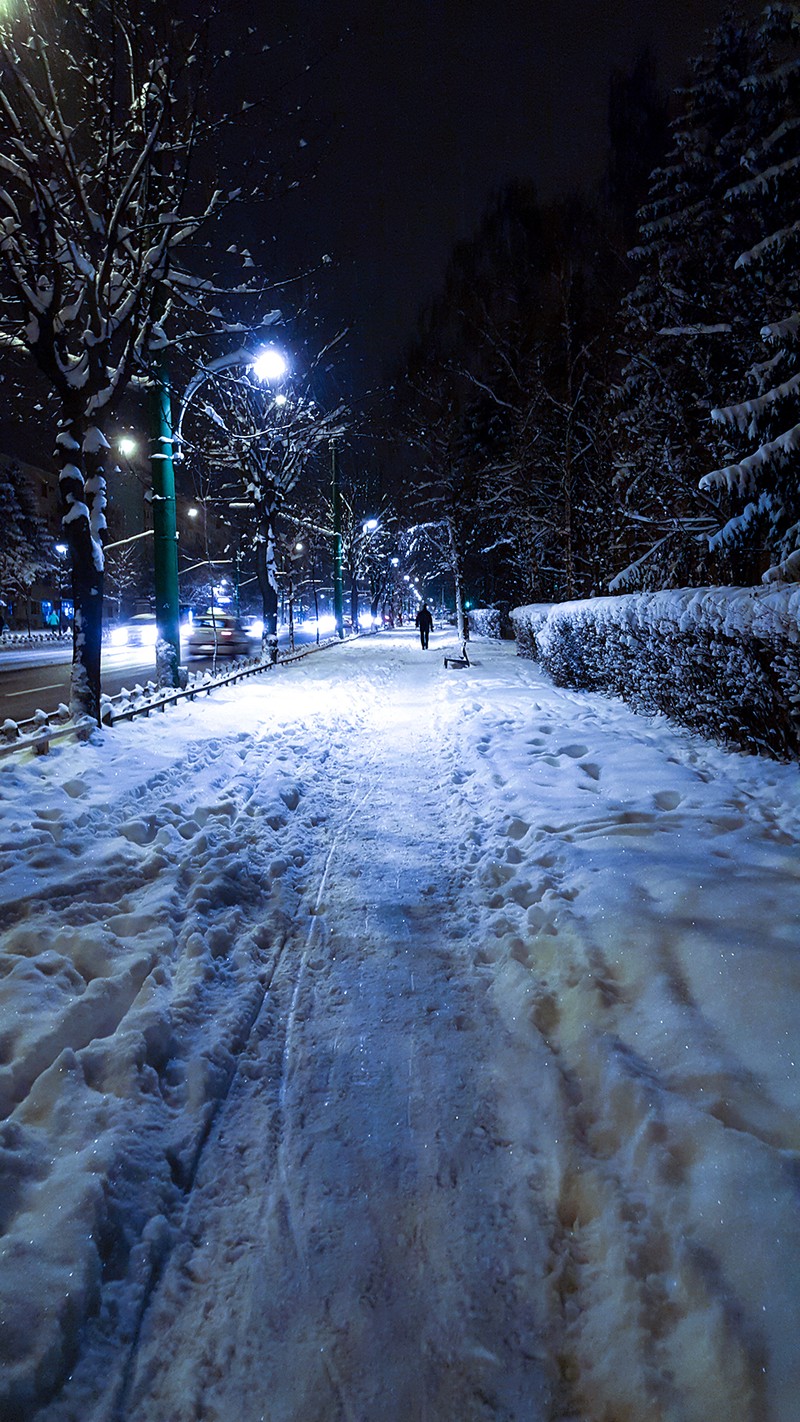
[585, 415]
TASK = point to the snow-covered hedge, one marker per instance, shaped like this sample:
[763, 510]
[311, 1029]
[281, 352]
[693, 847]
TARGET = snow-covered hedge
[723, 661]
[485, 621]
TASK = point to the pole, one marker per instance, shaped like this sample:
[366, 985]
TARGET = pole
[165, 534]
[337, 543]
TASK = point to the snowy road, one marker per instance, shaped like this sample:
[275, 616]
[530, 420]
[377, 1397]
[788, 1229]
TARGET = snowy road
[399, 1045]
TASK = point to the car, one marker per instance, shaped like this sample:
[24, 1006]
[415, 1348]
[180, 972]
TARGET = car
[138, 631]
[221, 633]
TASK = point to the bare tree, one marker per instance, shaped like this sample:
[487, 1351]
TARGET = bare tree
[100, 118]
[263, 444]
[123, 570]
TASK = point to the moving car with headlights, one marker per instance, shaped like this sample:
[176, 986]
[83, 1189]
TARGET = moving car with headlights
[138, 631]
[221, 633]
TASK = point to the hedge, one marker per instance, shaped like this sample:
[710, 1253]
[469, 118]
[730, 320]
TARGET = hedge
[722, 661]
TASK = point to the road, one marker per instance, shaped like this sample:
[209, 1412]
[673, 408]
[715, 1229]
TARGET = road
[34, 680]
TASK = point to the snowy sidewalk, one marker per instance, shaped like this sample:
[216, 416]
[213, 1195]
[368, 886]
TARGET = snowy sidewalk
[385, 1043]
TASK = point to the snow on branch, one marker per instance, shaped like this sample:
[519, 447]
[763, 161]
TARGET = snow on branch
[744, 415]
[740, 478]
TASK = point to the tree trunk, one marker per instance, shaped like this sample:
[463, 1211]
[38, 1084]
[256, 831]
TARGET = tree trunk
[455, 563]
[267, 574]
[83, 498]
[314, 592]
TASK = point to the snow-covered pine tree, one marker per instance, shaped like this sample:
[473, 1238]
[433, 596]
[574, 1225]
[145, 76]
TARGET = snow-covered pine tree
[766, 481]
[26, 548]
[102, 108]
[683, 328]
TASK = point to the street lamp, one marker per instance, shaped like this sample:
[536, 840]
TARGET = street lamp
[270, 365]
[62, 550]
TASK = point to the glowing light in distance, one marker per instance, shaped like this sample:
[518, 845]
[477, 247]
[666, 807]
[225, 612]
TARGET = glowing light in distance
[127, 446]
[192, 513]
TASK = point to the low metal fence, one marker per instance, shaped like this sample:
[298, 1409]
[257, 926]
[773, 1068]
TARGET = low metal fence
[37, 732]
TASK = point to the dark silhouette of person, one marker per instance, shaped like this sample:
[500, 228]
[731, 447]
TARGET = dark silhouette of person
[424, 622]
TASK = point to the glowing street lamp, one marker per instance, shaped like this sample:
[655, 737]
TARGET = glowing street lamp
[127, 446]
[62, 550]
[270, 365]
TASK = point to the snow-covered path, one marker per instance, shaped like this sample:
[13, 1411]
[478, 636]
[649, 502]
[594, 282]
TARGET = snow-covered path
[358, 1221]
[382, 1042]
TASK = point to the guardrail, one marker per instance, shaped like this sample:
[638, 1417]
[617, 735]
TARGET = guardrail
[37, 732]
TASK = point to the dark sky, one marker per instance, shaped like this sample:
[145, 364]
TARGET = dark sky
[429, 105]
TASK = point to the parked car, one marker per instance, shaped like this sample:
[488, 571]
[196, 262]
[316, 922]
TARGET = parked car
[221, 632]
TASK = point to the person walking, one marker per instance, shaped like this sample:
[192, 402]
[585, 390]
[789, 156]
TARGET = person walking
[424, 622]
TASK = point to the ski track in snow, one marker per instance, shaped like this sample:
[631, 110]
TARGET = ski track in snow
[424, 1051]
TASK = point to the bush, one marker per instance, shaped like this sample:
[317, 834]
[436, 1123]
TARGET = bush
[486, 621]
[722, 661]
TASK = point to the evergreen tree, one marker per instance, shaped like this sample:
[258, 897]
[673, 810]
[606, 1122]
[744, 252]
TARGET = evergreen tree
[765, 480]
[683, 329]
[26, 549]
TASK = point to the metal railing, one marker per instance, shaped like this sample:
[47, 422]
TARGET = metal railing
[37, 732]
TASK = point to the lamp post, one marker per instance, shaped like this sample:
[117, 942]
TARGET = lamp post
[62, 550]
[336, 499]
[165, 533]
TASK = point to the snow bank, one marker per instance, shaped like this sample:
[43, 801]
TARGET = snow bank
[723, 661]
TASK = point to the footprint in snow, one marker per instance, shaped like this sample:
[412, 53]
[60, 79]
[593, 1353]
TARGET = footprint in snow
[573, 751]
[139, 831]
[76, 789]
[667, 799]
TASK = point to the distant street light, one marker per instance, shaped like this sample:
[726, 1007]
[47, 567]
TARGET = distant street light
[62, 550]
[127, 446]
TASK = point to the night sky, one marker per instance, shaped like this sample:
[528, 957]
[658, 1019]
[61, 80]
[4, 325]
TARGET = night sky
[427, 106]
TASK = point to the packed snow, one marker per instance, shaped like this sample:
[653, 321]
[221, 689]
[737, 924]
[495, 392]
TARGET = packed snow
[385, 1042]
